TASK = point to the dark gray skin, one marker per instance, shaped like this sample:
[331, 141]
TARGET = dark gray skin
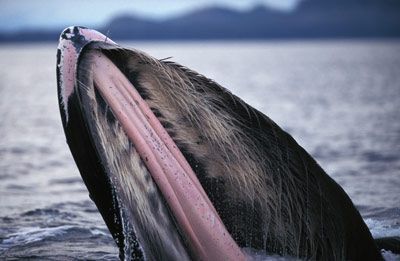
[270, 193]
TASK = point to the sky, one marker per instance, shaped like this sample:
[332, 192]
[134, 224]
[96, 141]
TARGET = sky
[25, 14]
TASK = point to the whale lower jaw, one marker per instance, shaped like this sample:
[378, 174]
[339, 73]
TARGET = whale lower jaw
[163, 211]
[193, 212]
[142, 209]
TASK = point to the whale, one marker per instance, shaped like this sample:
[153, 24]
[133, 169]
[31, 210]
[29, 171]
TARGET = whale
[182, 169]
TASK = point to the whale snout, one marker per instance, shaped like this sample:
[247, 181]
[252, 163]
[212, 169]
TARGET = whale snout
[72, 40]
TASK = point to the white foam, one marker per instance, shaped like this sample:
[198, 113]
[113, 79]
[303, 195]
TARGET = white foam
[381, 228]
[389, 256]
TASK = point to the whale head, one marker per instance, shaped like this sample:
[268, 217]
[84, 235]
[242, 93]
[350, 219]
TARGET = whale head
[180, 168]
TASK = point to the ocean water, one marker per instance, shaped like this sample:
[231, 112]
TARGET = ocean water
[339, 99]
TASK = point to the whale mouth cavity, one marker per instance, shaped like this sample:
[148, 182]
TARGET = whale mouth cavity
[157, 201]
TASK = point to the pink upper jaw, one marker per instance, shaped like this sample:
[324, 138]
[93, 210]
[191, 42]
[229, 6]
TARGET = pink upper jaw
[194, 212]
[71, 42]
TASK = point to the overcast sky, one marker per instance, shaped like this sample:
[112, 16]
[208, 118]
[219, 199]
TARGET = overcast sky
[18, 14]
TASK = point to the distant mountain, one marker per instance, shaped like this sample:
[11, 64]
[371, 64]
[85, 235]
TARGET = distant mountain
[311, 19]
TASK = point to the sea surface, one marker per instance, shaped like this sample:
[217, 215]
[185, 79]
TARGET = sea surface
[339, 99]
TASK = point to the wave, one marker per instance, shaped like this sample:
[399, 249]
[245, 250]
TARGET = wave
[380, 228]
[28, 235]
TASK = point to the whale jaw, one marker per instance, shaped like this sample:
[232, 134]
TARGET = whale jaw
[155, 207]
[264, 188]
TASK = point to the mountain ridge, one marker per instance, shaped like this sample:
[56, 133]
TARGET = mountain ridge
[311, 19]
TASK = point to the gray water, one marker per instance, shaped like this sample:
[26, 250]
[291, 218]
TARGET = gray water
[339, 99]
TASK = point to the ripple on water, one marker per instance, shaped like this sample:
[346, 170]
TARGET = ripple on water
[51, 242]
[345, 111]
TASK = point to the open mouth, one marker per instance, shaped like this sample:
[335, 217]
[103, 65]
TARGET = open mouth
[147, 192]
[181, 169]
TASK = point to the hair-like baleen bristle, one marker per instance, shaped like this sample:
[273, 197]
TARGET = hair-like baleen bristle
[270, 193]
